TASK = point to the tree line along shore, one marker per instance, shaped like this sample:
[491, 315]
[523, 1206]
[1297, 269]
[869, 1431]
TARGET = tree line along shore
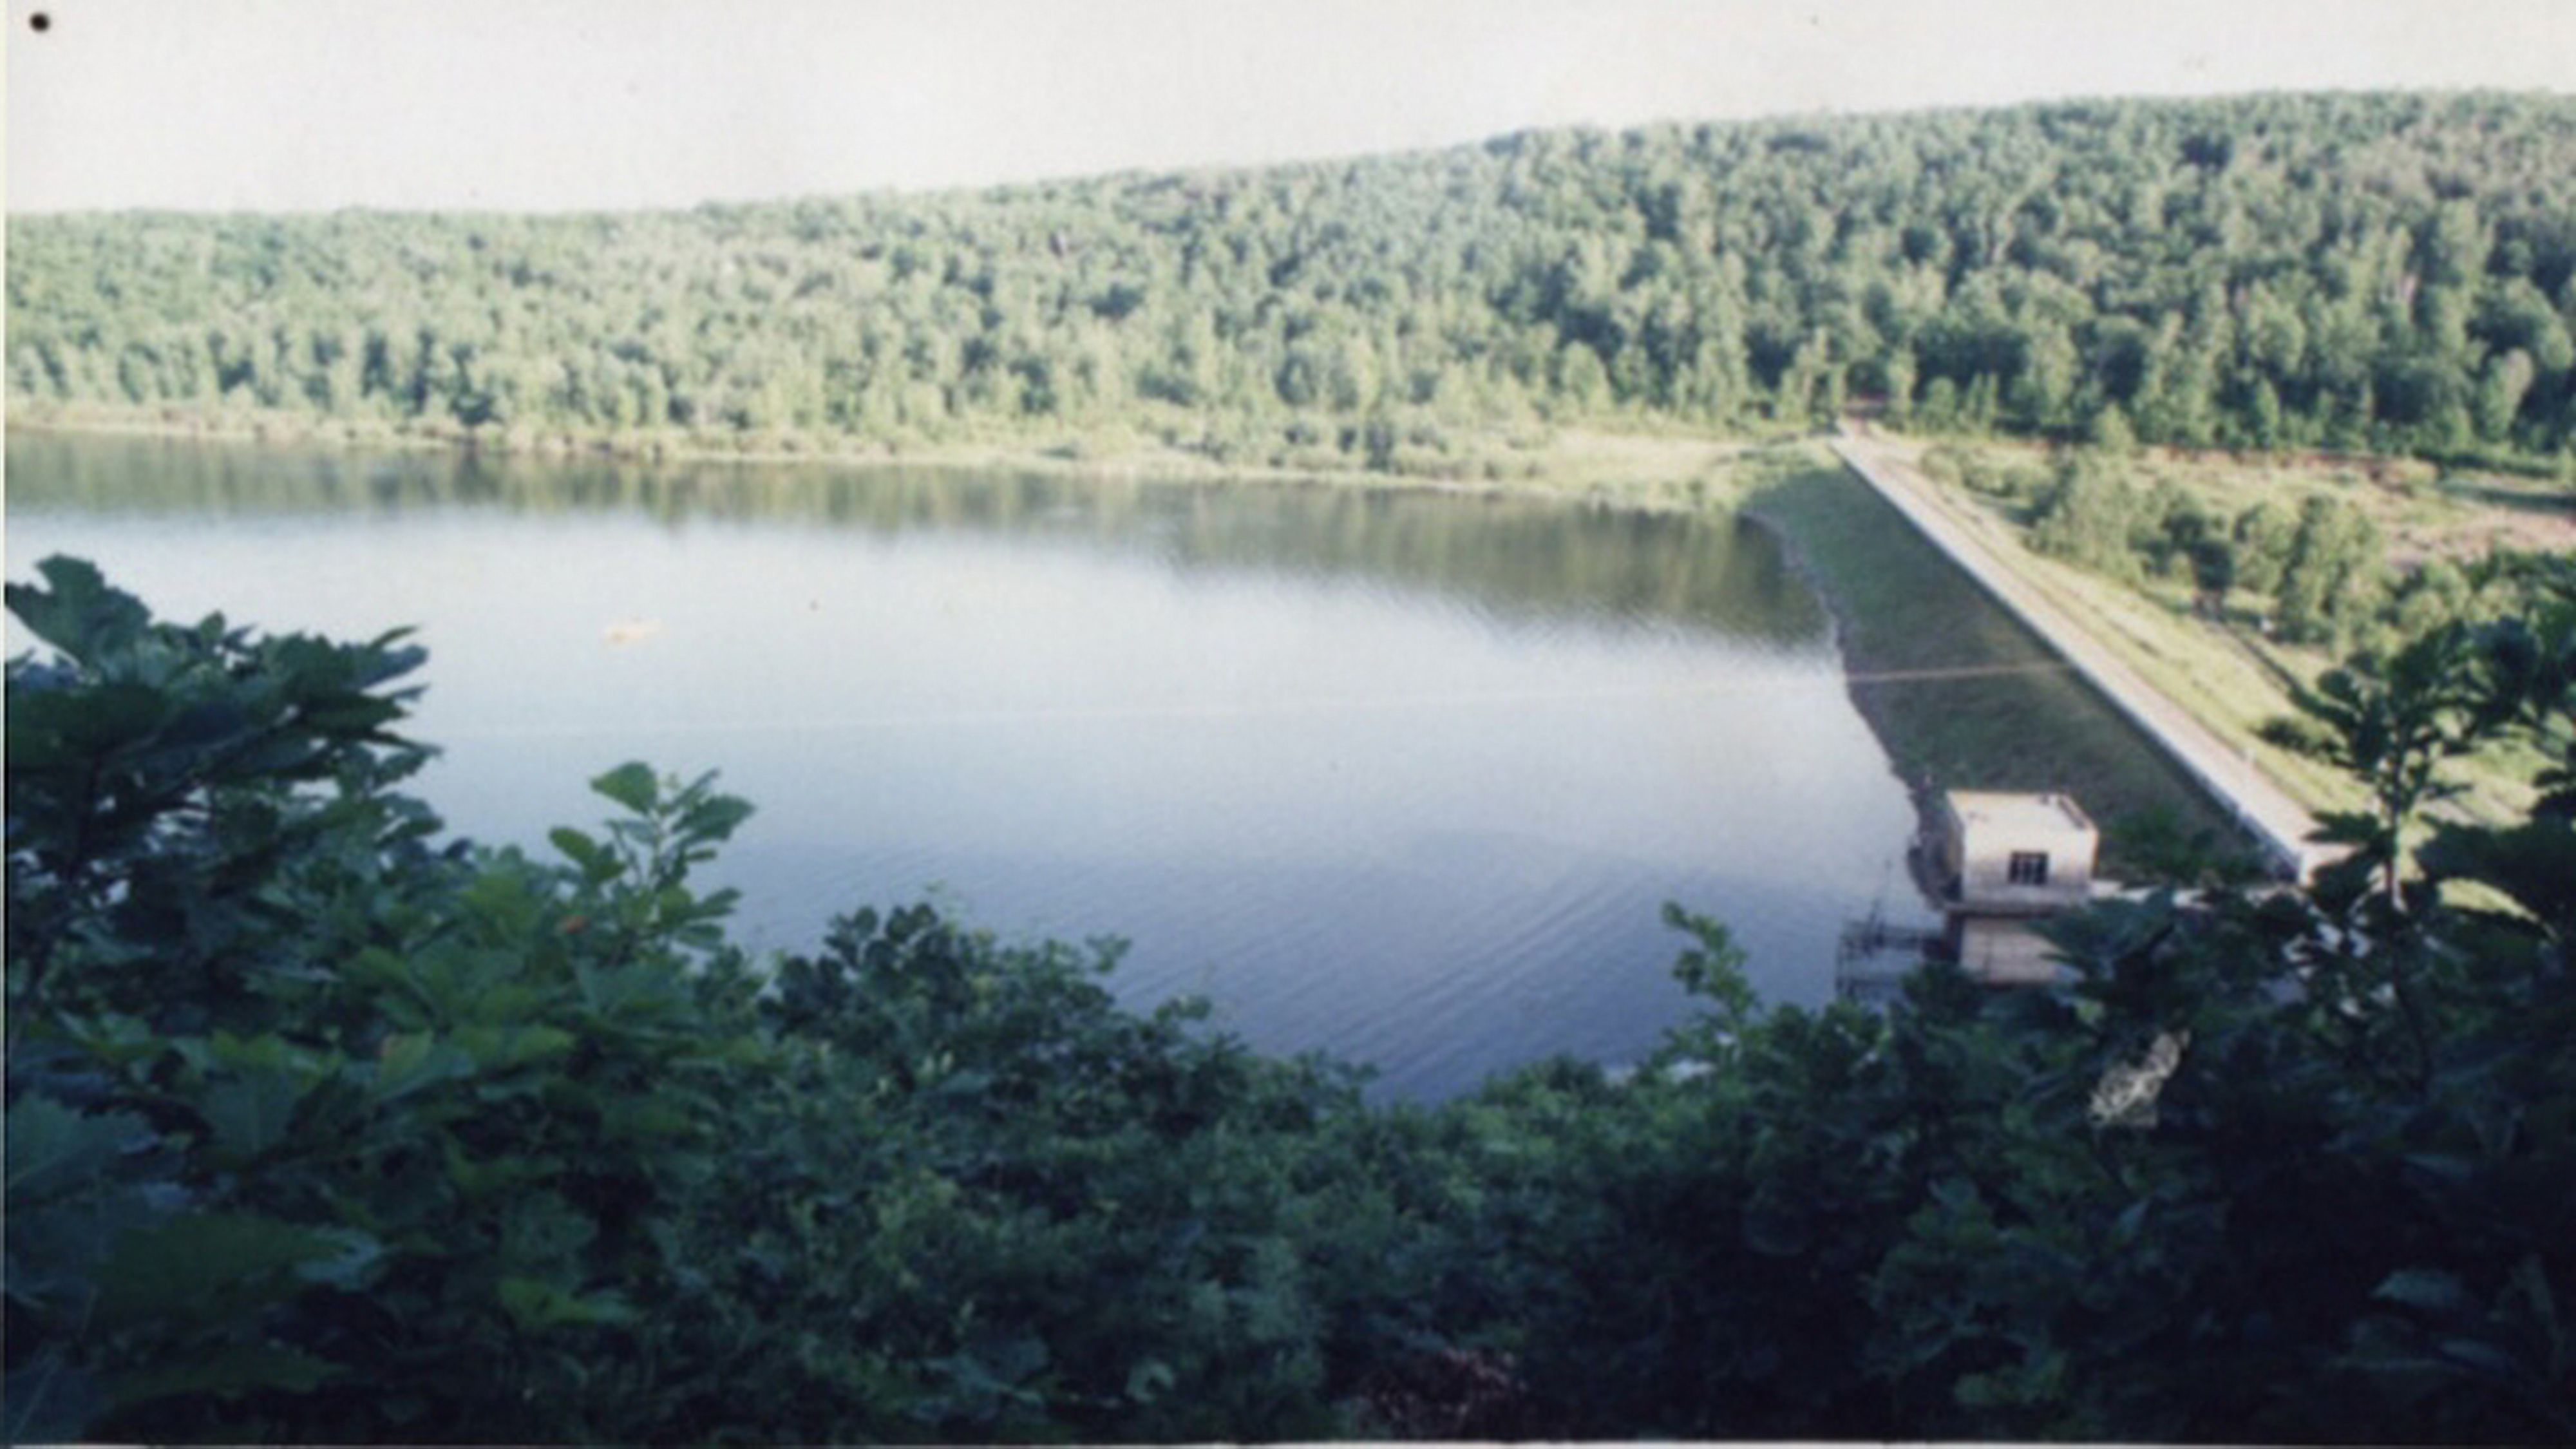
[2388, 273]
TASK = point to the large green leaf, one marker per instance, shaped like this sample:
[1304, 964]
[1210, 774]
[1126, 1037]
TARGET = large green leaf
[597, 863]
[78, 613]
[47, 727]
[230, 1370]
[713, 817]
[502, 1048]
[53, 1149]
[409, 1062]
[631, 785]
[536, 1304]
[204, 1267]
[2430, 1289]
[251, 1113]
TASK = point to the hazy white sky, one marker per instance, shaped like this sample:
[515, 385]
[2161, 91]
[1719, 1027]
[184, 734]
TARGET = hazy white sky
[561, 104]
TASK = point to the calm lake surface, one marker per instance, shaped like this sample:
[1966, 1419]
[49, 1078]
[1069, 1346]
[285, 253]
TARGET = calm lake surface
[1398, 775]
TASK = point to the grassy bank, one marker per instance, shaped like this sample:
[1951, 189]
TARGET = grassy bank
[1960, 694]
[1632, 462]
[2227, 672]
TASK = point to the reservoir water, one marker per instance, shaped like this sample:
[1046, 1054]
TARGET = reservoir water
[1402, 776]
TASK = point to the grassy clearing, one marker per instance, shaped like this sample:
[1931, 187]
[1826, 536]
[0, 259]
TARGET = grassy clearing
[2423, 511]
[2227, 672]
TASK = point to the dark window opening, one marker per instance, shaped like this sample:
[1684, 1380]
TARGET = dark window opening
[2029, 867]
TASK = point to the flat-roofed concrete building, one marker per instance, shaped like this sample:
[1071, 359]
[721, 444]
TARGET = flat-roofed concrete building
[2009, 855]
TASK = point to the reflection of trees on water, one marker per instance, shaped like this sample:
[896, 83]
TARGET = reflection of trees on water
[1505, 556]
[1903, 608]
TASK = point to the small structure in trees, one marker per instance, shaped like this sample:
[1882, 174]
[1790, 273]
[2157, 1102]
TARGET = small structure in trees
[1990, 862]
[1998, 854]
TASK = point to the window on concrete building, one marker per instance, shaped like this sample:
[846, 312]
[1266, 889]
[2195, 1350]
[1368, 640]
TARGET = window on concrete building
[2029, 867]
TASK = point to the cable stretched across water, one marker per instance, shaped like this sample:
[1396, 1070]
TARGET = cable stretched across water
[1955, 671]
[1219, 710]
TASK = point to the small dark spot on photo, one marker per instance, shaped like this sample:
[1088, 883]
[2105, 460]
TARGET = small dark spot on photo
[40, 22]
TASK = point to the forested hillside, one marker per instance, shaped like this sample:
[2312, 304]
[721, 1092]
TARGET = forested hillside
[2382, 272]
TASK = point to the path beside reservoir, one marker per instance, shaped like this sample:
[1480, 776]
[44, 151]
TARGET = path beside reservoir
[2278, 823]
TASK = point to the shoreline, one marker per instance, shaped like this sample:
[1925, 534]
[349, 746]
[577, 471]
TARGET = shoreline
[1653, 472]
[1922, 794]
[1655, 469]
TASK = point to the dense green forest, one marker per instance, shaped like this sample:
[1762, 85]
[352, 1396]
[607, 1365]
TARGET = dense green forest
[2386, 272]
[325, 1126]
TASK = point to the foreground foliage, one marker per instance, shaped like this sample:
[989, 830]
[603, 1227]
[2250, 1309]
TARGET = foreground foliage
[323, 1128]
